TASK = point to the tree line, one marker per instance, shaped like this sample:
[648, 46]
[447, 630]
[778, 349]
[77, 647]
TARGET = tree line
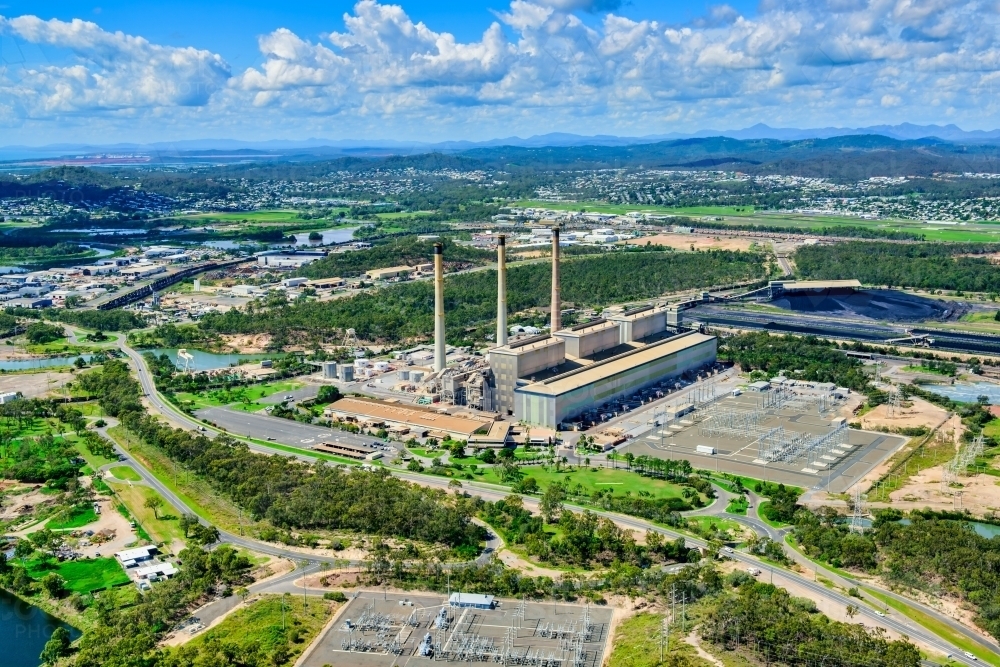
[101, 320]
[958, 266]
[289, 493]
[405, 312]
[803, 357]
[407, 250]
[936, 553]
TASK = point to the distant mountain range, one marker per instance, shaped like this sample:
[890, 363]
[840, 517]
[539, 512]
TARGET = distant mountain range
[232, 149]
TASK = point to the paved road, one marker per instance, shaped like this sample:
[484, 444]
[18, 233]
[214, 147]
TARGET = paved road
[490, 492]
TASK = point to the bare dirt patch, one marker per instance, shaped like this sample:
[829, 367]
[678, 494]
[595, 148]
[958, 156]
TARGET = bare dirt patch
[684, 242]
[918, 413]
[979, 494]
[32, 385]
[247, 344]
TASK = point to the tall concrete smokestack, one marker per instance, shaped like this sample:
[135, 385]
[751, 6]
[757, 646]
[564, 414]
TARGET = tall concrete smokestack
[501, 290]
[439, 351]
[556, 301]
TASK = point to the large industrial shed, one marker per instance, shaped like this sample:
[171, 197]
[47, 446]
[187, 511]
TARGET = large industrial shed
[563, 397]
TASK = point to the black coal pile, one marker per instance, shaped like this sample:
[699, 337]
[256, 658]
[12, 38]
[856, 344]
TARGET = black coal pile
[882, 305]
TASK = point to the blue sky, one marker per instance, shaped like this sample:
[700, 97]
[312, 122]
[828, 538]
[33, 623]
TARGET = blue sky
[141, 71]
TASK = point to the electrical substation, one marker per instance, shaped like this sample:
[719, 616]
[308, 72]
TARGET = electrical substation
[779, 432]
[377, 629]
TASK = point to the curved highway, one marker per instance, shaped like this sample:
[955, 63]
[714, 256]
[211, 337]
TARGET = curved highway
[904, 628]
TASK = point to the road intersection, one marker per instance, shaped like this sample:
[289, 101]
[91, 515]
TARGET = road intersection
[493, 492]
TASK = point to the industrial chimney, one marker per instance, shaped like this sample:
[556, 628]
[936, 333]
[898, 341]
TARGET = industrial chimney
[501, 290]
[556, 307]
[439, 350]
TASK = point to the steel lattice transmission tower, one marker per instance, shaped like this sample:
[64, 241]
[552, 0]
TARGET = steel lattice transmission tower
[857, 520]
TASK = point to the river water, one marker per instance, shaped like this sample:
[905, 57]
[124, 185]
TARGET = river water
[967, 392]
[45, 362]
[24, 629]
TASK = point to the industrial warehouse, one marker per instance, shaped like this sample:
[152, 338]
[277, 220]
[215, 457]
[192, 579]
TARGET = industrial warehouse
[410, 420]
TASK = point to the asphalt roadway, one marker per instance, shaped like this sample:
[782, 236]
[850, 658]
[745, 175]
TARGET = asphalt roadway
[917, 632]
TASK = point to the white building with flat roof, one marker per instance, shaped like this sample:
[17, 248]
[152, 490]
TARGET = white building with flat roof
[473, 600]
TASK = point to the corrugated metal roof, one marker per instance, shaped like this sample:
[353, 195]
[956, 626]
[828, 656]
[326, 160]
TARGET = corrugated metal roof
[603, 369]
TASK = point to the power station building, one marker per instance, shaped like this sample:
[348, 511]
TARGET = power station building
[552, 379]
[564, 396]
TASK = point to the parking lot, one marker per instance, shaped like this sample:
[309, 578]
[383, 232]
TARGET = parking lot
[378, 630]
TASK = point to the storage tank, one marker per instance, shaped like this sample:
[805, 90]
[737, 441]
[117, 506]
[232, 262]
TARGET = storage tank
[361, 363]
[329, 370]
[404, 375]
[347, 373]
[381, 366]
[417, 376]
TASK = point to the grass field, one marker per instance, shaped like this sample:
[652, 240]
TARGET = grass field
[404, 214]
[62, 346]
[93, 461]
[83, 576]
[243, 398]
[75, 517]
[126, 474]
[587, 480]
[160, 529]
[249, 216]
[737, 506]
[925, 369]
[270, 622]
[749, 483]
[637, 643]
[705, 524]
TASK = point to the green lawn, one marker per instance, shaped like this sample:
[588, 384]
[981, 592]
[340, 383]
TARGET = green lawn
[93, 461]
[737, 506]
[159, 528]
[193, 491]
[249, 216]
[83, 576]
[705, 523]
[74, 517]
[243, 398]
[591, 479]
[404, 214]
[60, 347]
[925, 369]
[126, 473]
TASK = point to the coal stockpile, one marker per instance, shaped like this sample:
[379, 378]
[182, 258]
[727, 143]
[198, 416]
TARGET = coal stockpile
[881, 305]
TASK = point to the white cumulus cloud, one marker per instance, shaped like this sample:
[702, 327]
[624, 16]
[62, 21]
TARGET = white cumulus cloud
[111, 71]
[544, 65]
